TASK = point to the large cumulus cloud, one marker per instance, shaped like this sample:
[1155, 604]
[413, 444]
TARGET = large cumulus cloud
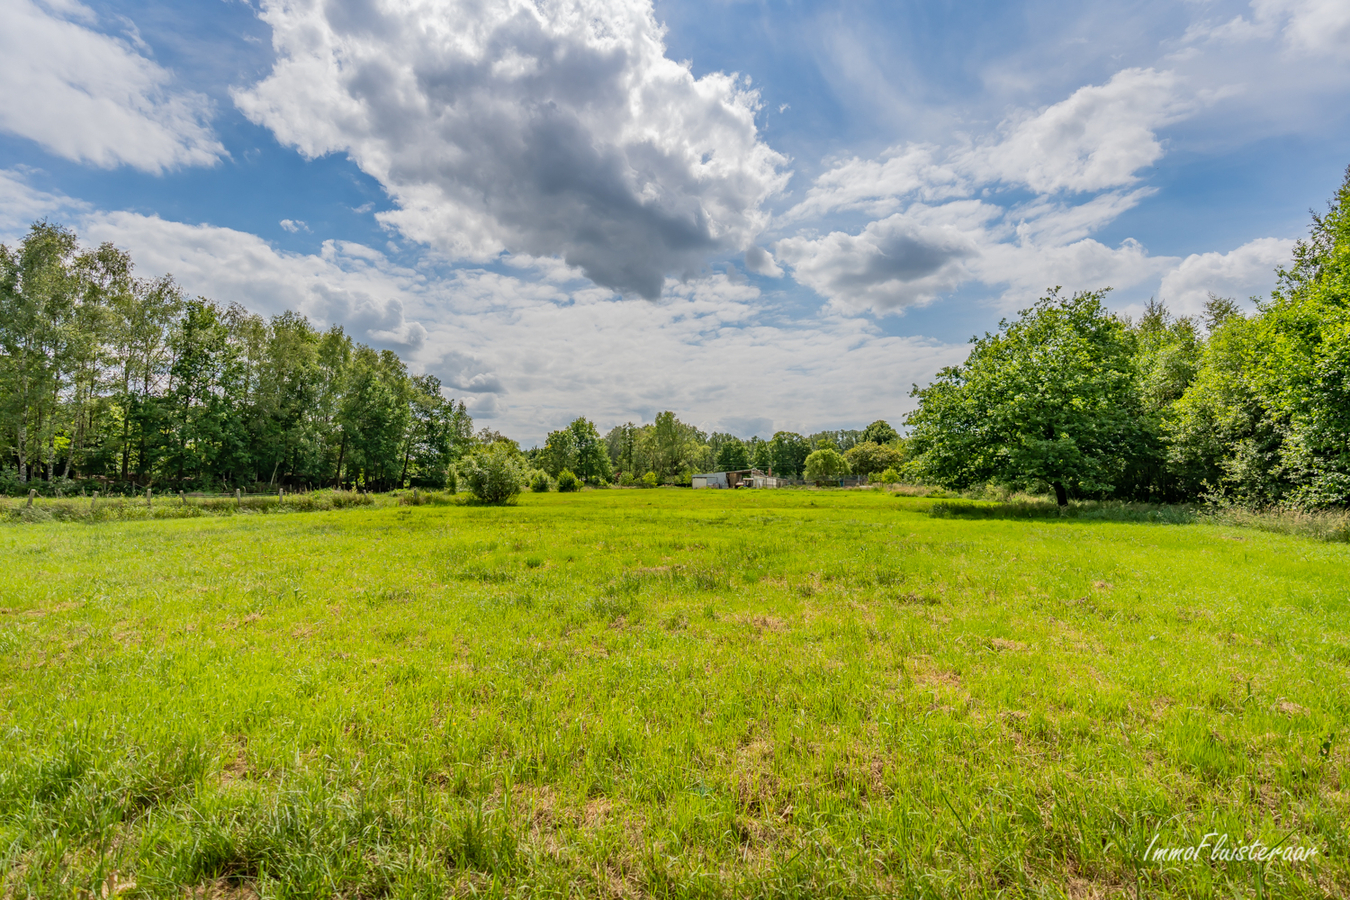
[944, 227]
[549, 128]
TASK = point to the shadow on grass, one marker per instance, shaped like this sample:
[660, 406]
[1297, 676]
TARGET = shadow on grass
[1324, 525]
[1080, 511]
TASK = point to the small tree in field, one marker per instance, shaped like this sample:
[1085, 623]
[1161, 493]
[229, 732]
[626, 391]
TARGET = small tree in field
[826, 465]
[868, 457]
[540, 484]
[568, 482]
[495, 474]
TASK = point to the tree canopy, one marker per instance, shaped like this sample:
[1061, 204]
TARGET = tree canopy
[1226, 407]
[1051, 398]
[824, 465]
[106, 375]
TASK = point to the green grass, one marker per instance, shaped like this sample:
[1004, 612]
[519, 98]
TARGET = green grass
[668, 693]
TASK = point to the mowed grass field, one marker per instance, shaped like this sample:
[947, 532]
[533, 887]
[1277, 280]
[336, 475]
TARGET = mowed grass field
[669, 693]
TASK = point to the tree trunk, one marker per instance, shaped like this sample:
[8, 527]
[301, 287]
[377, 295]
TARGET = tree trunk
[342, 452]
[21, 448]
[126, 439]
[1061, 495]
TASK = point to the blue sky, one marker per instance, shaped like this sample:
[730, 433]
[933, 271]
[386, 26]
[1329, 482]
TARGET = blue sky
[761, 215]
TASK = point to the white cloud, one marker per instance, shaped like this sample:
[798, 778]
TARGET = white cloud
[939, 232]
[1245, 272]
[1048, 220]
[894, 262]
[1025, 270]
[878, 186]
[294, 226]
[21, 204]
[1317, 27]
[1096, 139]
[345, 283]
[528, 355]
[911, 258]
[553, 128]
[92, 98]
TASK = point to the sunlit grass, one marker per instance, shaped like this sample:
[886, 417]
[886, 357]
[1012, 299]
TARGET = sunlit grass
[668, 693]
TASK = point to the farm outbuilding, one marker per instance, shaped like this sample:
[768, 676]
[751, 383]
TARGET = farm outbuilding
[749, 478]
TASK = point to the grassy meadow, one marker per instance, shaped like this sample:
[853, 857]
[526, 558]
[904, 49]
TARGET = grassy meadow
[669, 693]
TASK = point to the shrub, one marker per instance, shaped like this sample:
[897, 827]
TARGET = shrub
[494, 474]
[890, 476]
[649, 480]
[568, 482]
[541, 484]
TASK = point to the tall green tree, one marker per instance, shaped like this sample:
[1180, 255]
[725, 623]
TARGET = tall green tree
[440, 432]
[591, 462]
[733, 456]
[197, 408]
[787, 454]
[106, 374]
[41, 290]
[1052, 397]
[879, 432]
[375, 416]
[674, 447]
[559, 452]
[1267, 417]
[622, 442]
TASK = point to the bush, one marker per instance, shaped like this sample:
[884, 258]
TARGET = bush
[649, 480]
[452, 482]
[494, 474]
[11, 486]
[568, 482]
[541, 484]
[890, 476]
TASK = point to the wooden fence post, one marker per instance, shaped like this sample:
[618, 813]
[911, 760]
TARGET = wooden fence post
[182, 499]
[31, 495]
[238, 499]
[93, 504]
[147, 498]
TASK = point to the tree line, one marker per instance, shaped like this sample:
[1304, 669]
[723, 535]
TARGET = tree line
[671, 451]
[104, 375]
[1226, 407]
[125, 380]
[668, 451]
